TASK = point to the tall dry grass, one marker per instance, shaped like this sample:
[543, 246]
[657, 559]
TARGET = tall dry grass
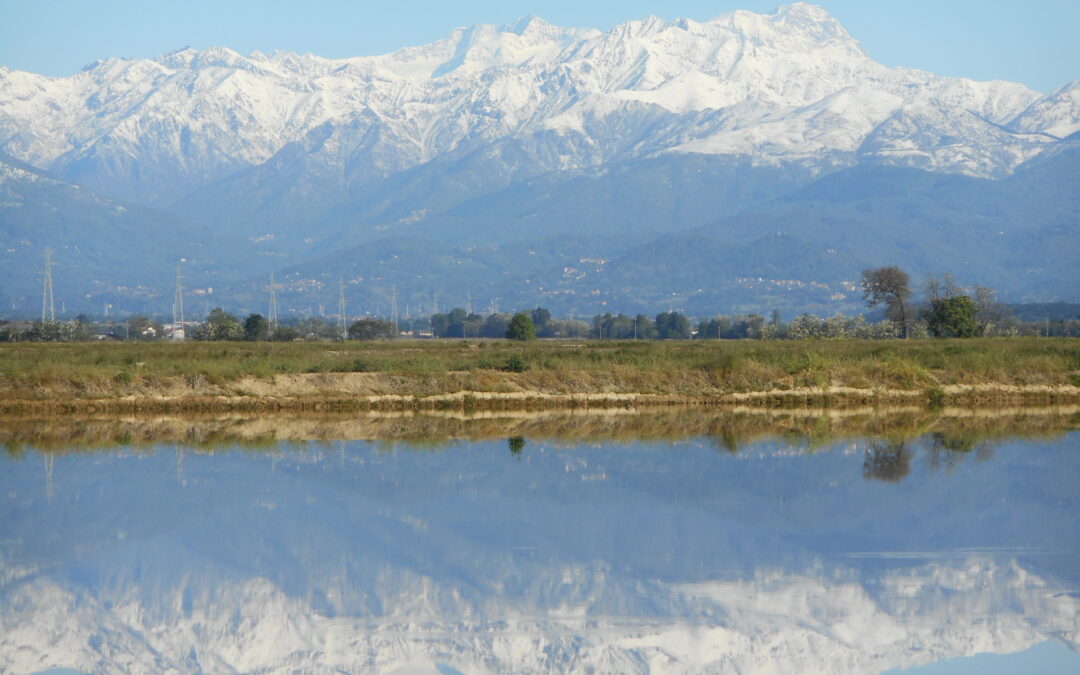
[30, 371]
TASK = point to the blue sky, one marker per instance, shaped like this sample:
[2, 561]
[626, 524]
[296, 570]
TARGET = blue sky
[1032, 42]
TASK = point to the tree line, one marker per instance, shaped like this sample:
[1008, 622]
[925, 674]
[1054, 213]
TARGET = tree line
[944, 310]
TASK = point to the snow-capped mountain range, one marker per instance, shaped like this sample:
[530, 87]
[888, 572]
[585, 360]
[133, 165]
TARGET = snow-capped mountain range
[776, 622]
[571, 145]
[791, 86]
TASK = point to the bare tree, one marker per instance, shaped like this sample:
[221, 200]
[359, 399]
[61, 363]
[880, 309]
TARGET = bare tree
[940, 289]
[990, 315]
[888, 286]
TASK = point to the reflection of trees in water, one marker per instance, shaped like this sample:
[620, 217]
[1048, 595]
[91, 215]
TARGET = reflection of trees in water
[888, 462]
[946, 451]
[516, 444]
[726, 440]
[803, 429]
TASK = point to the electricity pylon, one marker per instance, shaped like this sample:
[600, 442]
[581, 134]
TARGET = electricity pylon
[341, 308]
[393, 308]
[48, 307]
[178, 307]
[272, 318]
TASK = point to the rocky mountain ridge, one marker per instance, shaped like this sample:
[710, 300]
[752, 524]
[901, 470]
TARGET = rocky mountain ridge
[504, 136]
[792, 86]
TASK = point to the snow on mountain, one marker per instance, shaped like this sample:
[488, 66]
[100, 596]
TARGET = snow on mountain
[1056, 114]
[786, 86]
[774, 622]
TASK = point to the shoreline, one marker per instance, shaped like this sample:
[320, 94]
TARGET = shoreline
[345, 392]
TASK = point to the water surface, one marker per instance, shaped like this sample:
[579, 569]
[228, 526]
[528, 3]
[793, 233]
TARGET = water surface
[733, 545]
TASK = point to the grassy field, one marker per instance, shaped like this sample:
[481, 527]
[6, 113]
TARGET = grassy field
[697, 370]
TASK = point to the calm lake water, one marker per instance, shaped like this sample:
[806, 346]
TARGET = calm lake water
[764, 552]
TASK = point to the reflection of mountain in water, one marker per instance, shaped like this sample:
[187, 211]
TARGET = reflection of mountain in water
[779, 622]
[618, 558]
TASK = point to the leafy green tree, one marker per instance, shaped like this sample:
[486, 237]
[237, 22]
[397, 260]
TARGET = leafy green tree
[521, 327]
[622, 327]
[563, 328]
[952, 317]
[316, 328]
[805, 327]
[601, 327]
[541, 318]
[256, 328]
[719, 328]
[776, 329]
[755, 325]
[495, 325]
[285, 334]
[888, 286]
[220, 325]
[474, 326]
[644, 329]
[456, 320]
[371, 329]
[440, 325]
[672, 326]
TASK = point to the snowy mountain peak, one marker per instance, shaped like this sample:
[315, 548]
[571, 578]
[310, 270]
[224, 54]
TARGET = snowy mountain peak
[529, 24]
[529, 40]
[178, 58]
[788, 86]
[812, 20]
[1057, 114]
[1071, 87]
[805, 12]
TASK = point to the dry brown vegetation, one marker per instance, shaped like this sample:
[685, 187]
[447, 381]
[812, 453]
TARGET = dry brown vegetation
[474, 374]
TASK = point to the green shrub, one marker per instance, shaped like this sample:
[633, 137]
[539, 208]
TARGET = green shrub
[516, 364]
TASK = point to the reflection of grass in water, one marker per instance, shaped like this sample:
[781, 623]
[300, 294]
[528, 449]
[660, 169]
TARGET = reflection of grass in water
[952, 430]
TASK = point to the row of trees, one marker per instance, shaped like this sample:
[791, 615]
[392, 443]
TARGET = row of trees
[945, 310]
[457, 323]
[948, 310]
[675, 326]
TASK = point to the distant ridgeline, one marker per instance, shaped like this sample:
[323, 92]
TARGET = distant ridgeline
[735, 166]
[1045, 311]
